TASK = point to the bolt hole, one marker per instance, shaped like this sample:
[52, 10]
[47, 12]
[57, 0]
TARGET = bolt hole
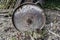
[29, 21]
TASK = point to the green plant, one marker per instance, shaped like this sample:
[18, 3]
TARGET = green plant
[5, 4]
[52, 4]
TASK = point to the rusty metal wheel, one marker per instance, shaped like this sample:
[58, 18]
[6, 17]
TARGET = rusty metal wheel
[28, 16]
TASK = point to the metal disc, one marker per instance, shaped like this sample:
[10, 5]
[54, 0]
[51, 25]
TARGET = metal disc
[28, 17]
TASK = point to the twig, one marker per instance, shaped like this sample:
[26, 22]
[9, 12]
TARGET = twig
[31, 37]
[51, 31]
[6, 10]
[54, 33]
[37, 2]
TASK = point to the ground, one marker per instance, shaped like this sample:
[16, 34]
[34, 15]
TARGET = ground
[8, 32]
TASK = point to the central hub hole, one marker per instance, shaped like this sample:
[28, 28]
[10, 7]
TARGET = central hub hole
[29, 21]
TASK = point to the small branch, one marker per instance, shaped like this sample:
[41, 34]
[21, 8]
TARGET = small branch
[5, 10]
[54, 33]
[31, 37]
[37, 2]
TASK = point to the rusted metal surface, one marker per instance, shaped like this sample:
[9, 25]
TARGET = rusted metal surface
[28, 17]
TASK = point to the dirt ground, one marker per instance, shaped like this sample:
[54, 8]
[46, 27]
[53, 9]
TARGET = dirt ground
[8, 32]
